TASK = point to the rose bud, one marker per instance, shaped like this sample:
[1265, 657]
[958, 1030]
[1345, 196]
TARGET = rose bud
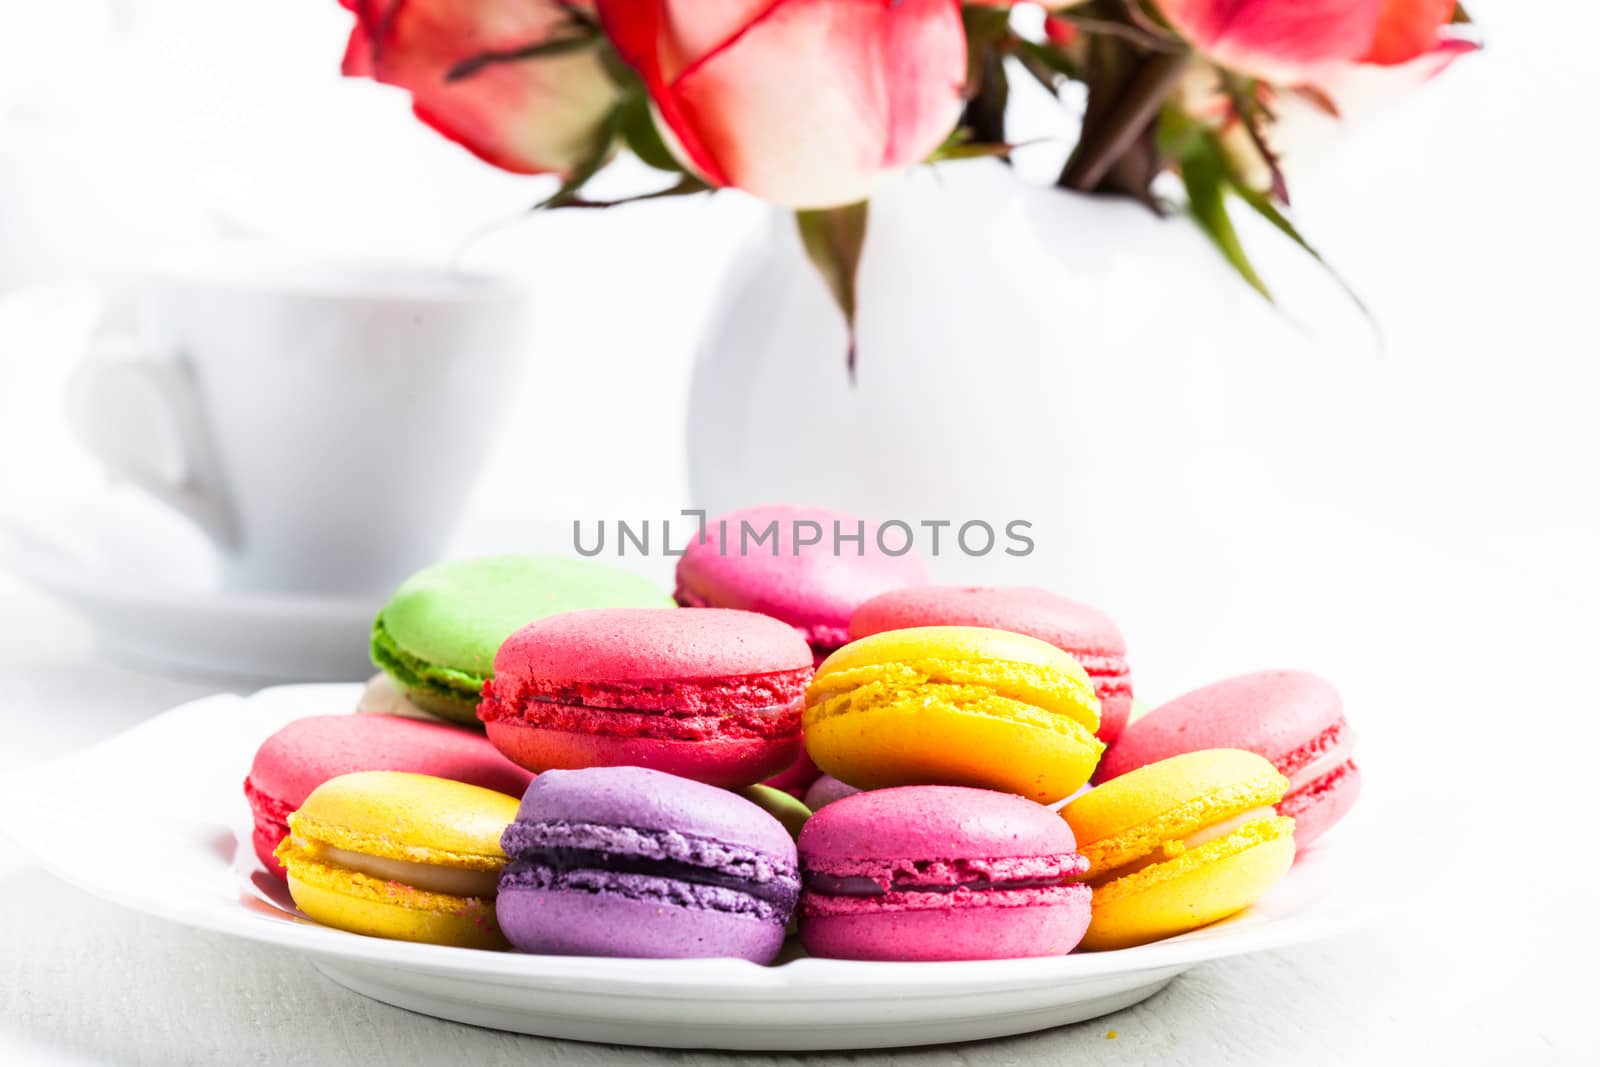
[519, 83]
[807, 103]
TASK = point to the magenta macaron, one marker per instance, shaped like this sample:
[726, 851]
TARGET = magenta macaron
[1083, 632]
[307, 752]
[929, 872]
[1292, 718]
[711, 695]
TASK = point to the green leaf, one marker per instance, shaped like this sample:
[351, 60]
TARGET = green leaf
[833, 240]
[1262, 205]
[1207, 182]
[638, 127]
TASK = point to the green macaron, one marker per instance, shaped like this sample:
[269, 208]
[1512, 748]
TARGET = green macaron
[437, 636]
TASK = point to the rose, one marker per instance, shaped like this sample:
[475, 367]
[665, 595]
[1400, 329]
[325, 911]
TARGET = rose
[804, 103]
[520, 83]
[1307, 41]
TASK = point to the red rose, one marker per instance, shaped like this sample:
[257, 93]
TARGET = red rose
[805, 103]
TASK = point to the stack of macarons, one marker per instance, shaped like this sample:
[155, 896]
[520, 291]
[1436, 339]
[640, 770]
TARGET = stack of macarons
[599, 790]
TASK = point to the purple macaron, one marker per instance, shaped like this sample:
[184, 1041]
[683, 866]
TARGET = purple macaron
[626, 861]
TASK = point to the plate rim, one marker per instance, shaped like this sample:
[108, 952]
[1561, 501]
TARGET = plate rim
[686, 979]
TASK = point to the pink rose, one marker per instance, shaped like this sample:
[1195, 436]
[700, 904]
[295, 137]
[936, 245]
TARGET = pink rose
[804, 103]
[468, 68]
[1306, 41]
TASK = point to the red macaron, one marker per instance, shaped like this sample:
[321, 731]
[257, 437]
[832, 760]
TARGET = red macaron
[307, 752]
[714, 695]
[1293, 719]
[1083, 632]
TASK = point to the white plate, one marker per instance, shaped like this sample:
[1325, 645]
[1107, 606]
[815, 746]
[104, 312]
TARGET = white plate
[155, 820]
[146, 584]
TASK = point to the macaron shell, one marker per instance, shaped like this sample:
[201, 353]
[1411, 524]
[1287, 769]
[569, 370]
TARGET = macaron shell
[953, 932]
[934, 822]
[614, 924]
[1201, 886]
[1275, 714]
[347, 900]
[814, 589]
[410, 817]
[1132, 816]
[1011, 665]
[1318, 806]
[628, 645]
[1043, 758]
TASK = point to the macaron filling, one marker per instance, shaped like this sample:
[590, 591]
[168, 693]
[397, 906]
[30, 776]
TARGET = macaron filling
[1169, 850]
[417, 675]
[1325, 755]
[671, 867]
[876, 879]
[434, 878]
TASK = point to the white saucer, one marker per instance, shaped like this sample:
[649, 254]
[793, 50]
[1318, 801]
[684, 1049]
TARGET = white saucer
[176, 781]
[146, 583]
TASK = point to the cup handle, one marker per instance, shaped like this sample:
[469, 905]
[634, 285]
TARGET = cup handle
[137, 409]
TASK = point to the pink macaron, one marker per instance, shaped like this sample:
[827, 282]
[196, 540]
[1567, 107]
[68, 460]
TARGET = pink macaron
[808, 567]
[1083, 632]
[307, 752]
[711, 695]
[929, 872]
[802, 566]
[1292, 718]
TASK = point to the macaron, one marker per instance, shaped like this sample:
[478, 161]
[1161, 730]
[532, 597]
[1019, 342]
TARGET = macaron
[1292, 718]
[940, 873]
[788, 562]
[1085, 633]
[1180, 843]
[954, 705]
[788, 810]
[437, 636]
[712, 695]
[626, 861]
[402, 856]
[307, 752]
[825, 791]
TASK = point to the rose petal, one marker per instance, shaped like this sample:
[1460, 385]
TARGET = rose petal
[1408, 29]
[1285, 40]
[804, 103]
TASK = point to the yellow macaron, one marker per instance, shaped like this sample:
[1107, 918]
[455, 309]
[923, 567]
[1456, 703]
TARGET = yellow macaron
[402, 856]
[954, 705]
[1180, 843]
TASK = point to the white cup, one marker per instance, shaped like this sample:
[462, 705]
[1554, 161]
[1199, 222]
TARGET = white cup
[322, 422]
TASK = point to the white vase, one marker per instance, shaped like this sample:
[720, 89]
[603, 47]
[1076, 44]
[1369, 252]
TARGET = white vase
[1024, 353]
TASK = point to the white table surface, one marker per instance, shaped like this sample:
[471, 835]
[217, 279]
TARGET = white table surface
[1483, 955]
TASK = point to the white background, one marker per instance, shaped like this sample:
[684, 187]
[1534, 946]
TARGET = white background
[1448, 585]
